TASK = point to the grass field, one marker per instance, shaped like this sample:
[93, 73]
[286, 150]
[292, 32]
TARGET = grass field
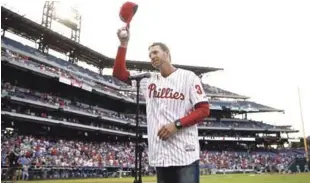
[240, 178]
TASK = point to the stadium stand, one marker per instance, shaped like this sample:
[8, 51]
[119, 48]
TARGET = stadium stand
[85, 77]
[65, 121]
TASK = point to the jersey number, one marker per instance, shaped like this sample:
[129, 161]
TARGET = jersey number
[198, 89]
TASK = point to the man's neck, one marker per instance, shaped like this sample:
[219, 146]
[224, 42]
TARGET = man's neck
[167, 69]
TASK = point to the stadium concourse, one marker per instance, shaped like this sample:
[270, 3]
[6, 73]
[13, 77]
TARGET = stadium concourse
[65, 121]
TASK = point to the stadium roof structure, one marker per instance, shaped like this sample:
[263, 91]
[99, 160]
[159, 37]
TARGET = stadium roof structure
[20, 25]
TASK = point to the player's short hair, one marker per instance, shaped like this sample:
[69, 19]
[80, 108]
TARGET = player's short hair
[163, 46]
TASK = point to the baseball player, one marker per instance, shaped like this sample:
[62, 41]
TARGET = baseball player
[175, 103]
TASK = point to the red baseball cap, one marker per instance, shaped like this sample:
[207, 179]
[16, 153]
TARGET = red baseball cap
[127, 11]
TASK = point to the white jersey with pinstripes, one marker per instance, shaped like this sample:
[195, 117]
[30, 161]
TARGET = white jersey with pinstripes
[168, 99]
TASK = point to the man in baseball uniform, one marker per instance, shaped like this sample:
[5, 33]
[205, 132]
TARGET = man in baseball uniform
[175, 102]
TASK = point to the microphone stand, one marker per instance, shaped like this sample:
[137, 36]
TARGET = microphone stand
[139, 148]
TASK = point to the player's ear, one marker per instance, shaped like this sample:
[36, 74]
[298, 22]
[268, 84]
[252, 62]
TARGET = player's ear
[166, 55]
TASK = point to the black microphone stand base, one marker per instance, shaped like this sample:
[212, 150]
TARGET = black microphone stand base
[137, 181]
[138, 171]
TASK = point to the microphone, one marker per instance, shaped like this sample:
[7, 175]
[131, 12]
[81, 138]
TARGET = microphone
[140, 76]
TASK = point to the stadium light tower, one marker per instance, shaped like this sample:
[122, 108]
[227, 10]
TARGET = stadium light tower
[64, 14]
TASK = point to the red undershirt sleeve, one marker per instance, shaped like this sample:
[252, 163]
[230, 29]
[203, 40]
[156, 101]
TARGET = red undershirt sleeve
[119, 69]
[201, 111]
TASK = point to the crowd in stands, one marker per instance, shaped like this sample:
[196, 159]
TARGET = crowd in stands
[42, 152]
[244, 160]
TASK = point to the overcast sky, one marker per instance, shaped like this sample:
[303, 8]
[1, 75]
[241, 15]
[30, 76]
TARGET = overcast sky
[263, 46]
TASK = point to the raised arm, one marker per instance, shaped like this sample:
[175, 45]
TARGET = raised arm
[119, 69]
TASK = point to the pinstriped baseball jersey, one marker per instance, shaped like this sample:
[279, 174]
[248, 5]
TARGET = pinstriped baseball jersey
[169, 99]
